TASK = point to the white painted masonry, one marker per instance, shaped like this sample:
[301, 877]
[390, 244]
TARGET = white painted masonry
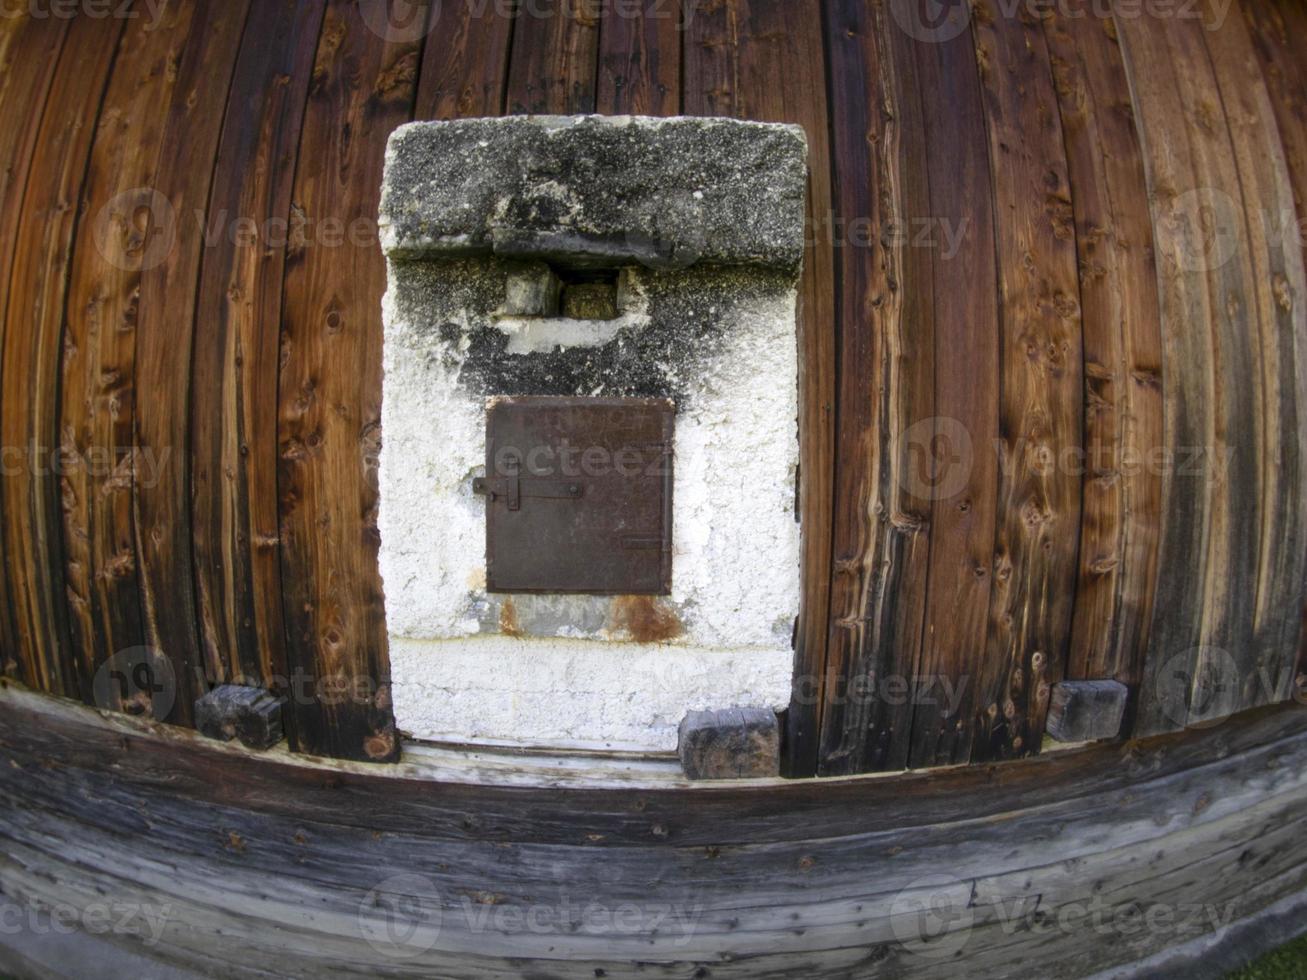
[470, 665]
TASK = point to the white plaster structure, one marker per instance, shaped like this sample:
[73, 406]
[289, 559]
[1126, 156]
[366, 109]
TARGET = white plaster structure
[720, 340]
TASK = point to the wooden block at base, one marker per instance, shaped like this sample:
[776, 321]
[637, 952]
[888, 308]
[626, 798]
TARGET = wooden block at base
[731, 743]
[1083, 711]
[250, 714]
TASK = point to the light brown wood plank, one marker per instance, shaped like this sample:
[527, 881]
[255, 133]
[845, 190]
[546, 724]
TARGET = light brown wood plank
[554, 63]
[1041, 381]
[768, 49]
[50, 217]
[329, 427]
[640, 58]
[1277, 28]
[1276, 277]
[129, 227]
[29, 52]
[1123, 356]
[234, 392]
[1178, 203]
[886, 391]
[956, 458]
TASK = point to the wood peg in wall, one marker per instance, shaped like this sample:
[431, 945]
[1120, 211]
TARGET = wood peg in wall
[731, 743]
[250, 714]
[1084, 711]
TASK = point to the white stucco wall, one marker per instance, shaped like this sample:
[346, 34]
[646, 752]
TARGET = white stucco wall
[573, 674]
[704, 218]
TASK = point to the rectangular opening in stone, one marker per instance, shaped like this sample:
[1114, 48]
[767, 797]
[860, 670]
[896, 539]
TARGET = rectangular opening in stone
[578, 495]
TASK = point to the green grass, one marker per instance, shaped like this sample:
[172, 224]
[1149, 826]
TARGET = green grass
[1286, 963]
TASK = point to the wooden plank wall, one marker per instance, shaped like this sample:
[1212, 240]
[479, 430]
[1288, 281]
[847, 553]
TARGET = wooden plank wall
[1009, 271]
[29, 53]
[753, 60]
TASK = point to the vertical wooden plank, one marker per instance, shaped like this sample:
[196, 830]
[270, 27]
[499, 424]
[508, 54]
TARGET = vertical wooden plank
[1277, 28]
[553, 67]
[464, 67]
[1041, 388]
[129, 228]
[1226, 677]
[1207, 572]
[885, 391]
[165, 332]
[1276, 277]
[236, 357]
[329, 424]
[640, 58]
[33, 541]
[755, 59]
[1123, 353]
[29, 51]
[957, 457]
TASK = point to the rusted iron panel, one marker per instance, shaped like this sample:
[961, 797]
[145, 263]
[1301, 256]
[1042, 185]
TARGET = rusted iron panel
[578, 495]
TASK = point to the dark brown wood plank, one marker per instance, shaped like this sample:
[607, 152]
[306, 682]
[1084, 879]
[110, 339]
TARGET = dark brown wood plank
[1041, 389]
[465, 61]
[237, 356]
[329, 427]
[1274, 276]
[554, 63]
[128, 228]
[165, 333]
[29, 50]
[885, 391]
[640, 58]
[1277, 28]
[1121, 515]
[754, 59]
[957, 458]
[33, 539]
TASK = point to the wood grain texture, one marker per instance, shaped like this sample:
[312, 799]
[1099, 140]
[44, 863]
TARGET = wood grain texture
[1121, 513]
[1209, 210]
[165, 332]
[329, 428]
[1279, 324]
[554, 63]
[1041, 389]
[753, 59]
[1276, 28]
[1188, 387]
[640, 59]
[956, 460]
[237, 353]
[886, 381]
[129, 227]
[29, 51]
[465, 62]
[33, 538]
[745, 862]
